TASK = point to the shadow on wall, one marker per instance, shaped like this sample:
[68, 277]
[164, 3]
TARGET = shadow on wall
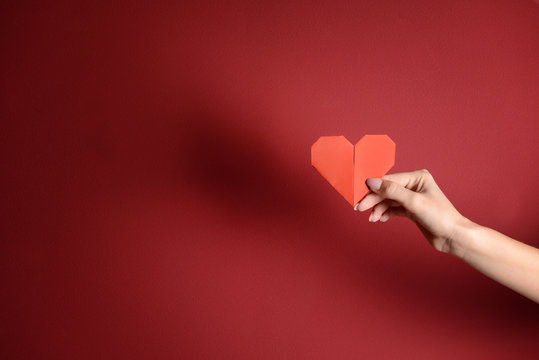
[231, 166]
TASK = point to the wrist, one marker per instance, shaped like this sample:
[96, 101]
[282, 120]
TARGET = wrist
[463, 237]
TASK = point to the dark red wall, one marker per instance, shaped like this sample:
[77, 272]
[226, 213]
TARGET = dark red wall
[158, 199]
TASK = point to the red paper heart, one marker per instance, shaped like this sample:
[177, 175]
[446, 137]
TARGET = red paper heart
[346, 167]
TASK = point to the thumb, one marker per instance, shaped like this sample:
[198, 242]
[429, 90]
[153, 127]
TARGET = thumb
[392, 190]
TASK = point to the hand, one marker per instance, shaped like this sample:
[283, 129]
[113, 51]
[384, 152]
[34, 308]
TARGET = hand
[414, 195]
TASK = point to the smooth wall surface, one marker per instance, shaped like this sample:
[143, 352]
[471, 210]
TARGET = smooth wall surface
[158, 199]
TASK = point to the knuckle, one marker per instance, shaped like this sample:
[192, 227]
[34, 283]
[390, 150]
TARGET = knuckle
[425, 174]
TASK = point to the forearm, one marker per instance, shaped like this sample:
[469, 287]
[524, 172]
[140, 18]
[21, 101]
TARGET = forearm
[509, 262]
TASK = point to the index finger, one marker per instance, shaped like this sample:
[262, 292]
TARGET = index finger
[409, 180]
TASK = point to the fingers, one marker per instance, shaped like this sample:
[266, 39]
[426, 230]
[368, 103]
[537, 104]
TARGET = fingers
[392, 212]
[418, 180]
[393, 191]
[370, 200]
[378, 210]
[385, 210]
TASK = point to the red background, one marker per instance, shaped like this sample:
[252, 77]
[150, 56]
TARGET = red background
[158, 199]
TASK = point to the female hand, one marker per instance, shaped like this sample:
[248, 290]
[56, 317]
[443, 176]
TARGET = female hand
[414, 195]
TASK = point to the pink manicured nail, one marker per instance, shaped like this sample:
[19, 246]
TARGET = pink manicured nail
[374, 183]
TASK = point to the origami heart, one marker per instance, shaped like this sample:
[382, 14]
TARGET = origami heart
[346, 166]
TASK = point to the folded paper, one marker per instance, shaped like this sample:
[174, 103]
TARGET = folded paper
[346, 166]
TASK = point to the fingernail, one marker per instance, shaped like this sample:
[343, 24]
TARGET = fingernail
[356, 208]
[370, 217]
[373, 183]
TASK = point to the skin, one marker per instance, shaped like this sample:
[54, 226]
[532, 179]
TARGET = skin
[416, 195]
